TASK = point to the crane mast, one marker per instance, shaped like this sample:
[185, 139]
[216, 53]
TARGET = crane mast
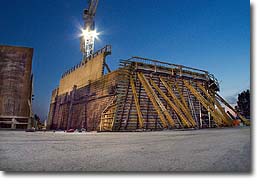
[89, 34]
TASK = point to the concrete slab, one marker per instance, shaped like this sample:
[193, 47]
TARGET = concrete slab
[208, 150]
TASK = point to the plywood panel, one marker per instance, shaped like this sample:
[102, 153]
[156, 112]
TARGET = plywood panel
[88, 103]
[83, 75]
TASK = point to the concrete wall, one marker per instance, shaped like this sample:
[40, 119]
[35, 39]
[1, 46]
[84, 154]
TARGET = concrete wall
[15, 80]
[90, 71]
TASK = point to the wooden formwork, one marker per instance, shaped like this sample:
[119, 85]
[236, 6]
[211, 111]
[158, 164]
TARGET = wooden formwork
[161, 106]
[15, 87]
[154, 95]
[82, 107]
[143, 95]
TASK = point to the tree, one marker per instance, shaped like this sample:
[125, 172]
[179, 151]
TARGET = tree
[243, 103]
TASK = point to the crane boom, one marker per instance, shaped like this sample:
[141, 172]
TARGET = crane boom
[92, 7]
[87, 38]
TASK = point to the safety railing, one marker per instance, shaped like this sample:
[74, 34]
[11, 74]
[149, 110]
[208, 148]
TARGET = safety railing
[138, 59]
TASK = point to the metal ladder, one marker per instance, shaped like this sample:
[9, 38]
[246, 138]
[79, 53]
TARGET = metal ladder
[192, 107]
[205, 103]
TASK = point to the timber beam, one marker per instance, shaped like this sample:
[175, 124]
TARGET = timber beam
[179, 104]
[152, 96]
[140, 116]
[247, 122]
[205, 103]
[224, 116]
[175, 108]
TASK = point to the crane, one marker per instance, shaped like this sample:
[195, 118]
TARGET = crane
[89, 33]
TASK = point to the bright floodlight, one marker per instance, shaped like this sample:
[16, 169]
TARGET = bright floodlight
[89, 34]
[87, 41]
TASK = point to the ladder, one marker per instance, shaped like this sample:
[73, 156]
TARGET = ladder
[205, 103]
[224, 116]
[192, 107]
[108, 117]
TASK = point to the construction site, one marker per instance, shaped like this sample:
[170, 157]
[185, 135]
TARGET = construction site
[142, 94]
[146, 115]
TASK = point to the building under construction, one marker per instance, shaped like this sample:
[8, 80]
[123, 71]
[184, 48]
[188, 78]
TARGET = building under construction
[143, 94]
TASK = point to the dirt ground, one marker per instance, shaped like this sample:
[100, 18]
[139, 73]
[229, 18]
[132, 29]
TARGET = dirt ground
[208, 150]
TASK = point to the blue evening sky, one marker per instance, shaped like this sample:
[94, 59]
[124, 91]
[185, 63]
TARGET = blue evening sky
[208, 34]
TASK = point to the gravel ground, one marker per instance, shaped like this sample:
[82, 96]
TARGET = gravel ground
[211, 150]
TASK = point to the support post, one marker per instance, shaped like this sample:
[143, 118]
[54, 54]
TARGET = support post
[204, 103]
[224, 116]
[179, 104]
[153, 100]
[175, 108]
[140, 116]
[247, 122]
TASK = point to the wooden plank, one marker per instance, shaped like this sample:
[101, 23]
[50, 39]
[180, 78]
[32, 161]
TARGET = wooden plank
[124, 104]
[247, 122]
[176, 109]
[180, 93]
[129, 112]
[224, 116]
[179, 104]
[204, 103]
[139, 113]
[152, 98]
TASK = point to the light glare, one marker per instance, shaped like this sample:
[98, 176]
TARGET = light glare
[89, 34]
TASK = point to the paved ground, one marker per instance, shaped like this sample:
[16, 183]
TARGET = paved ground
[201, 150]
